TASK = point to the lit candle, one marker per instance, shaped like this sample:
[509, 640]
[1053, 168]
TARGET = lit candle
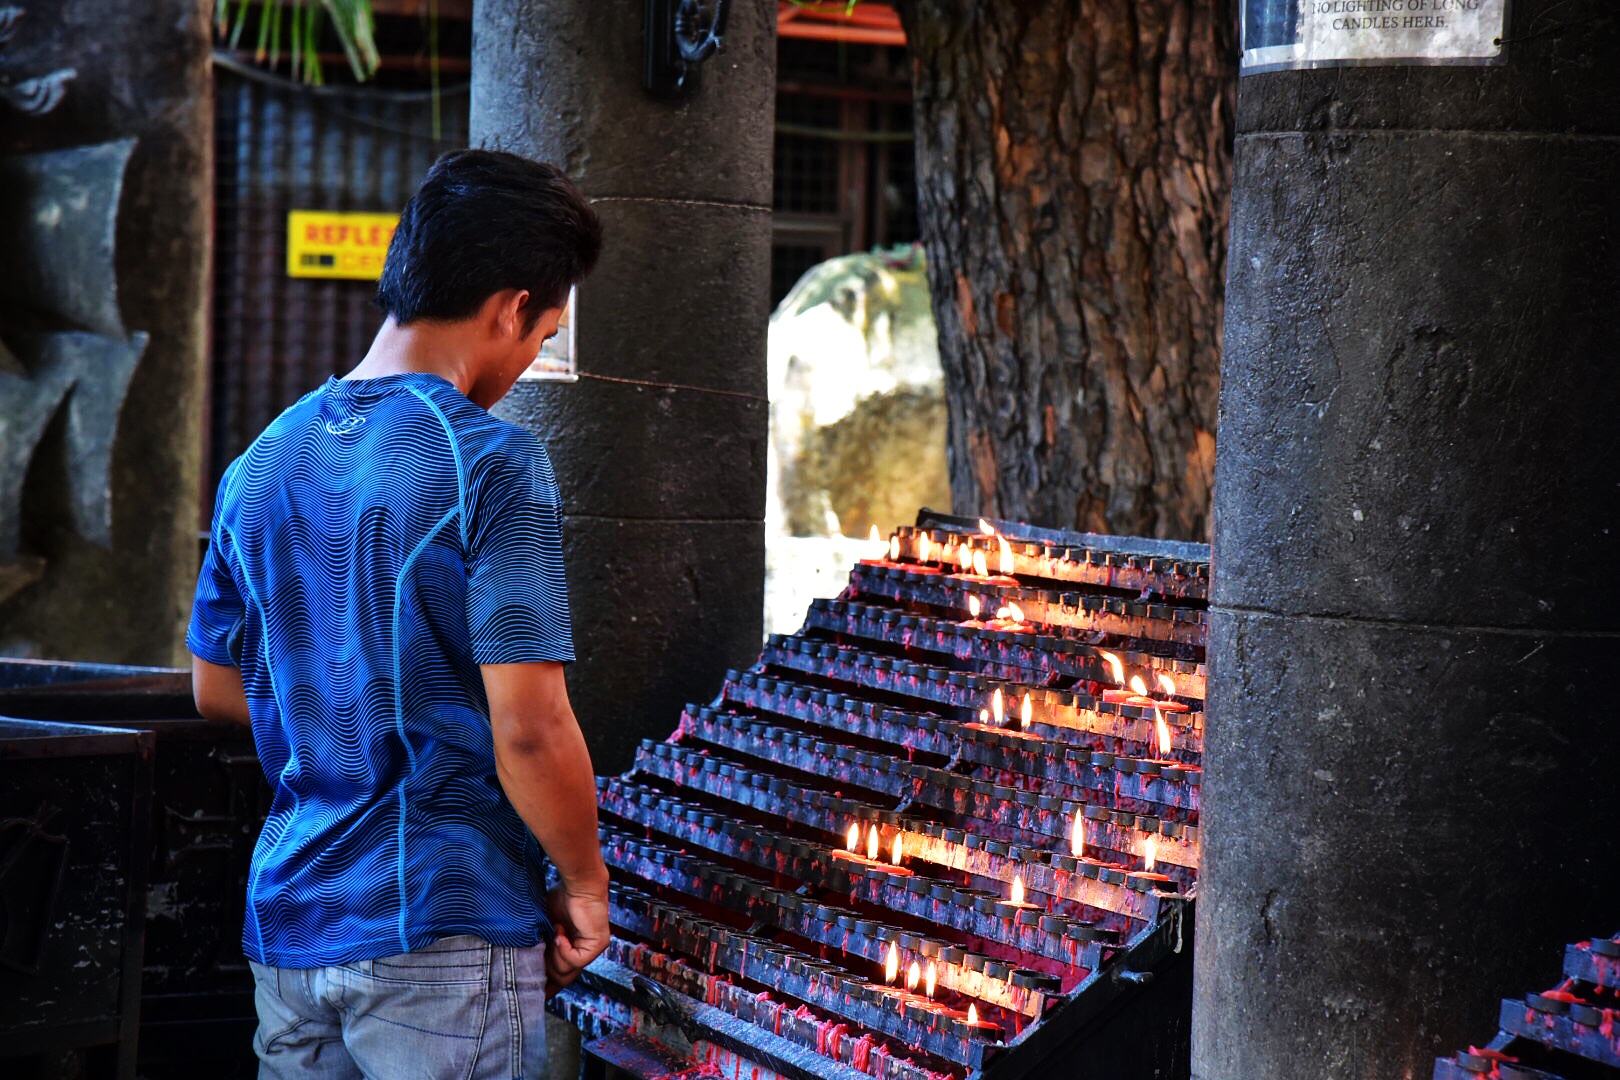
[1010, 908]
[1007, 566]
[981, 1027]
[1009, 617]
[913, 976]
[930, 978]
[1117, 669]
[1145, 878]
[1026, 711]
[851, 852]
[998, 706]
[880, 549]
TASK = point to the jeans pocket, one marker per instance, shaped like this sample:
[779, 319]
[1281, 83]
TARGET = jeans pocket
[430, 1025]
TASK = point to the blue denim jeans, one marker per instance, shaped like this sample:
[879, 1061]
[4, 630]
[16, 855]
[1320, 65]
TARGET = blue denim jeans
[458, 1009]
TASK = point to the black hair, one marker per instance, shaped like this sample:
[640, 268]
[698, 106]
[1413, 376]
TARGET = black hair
[483, 221]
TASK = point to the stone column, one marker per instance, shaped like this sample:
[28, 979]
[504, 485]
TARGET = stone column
[105, 233]
[1410, 776]
[660, 448]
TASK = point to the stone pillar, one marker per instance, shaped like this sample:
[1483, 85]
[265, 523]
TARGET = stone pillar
[1409, 791]
[105, 233]
[660, 448]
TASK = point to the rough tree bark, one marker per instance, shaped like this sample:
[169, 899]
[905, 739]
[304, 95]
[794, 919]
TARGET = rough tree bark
[1073, 162]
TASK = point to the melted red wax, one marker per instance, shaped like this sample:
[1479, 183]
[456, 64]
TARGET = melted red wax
[860, 1055]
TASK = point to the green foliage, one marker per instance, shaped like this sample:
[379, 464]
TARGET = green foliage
[849, 7]
[300, 23]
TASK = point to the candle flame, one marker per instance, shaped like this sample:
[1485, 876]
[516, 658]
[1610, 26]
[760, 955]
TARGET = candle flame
[925, 548]
[1162, 730]
[913, 976]
[1026, 711]
[930, 978]
[875, 536]
[894, 548]
[895, 851]
[964, 558]
[1077, 837]
[984, 716]
[1138, 687]
[998, 705]
[1018, 889]
[853, 839]
[974, 607]
[980, 566]
[872, 844]
[1015, 613]
[1150, 852]
[891, 964]
[1167, 684]
[1114, 665]
[1006, 555]
[973, 1014]
[986, 528]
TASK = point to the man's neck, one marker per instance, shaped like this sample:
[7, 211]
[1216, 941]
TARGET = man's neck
[427, 347]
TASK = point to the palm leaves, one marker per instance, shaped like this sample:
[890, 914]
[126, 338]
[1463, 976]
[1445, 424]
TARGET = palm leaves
[298, 24]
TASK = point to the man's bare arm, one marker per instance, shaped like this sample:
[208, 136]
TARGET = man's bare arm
[217, 690]
[545, 769]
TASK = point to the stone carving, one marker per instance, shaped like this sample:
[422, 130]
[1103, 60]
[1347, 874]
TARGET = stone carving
[857, 398]
[64, 351]
[37, 95]
[857, 422]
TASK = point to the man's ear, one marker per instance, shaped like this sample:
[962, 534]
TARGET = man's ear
[512, 311]
[504, 310]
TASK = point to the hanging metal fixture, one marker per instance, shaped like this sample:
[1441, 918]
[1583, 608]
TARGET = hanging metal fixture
[681, 34]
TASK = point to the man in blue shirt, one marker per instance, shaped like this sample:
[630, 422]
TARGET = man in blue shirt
[383, 601]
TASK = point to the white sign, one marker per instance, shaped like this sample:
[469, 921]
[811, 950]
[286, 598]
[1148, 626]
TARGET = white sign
[1281, 34]
[556, 360]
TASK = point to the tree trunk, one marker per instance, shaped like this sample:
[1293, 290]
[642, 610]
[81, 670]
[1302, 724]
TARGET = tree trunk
[1073, 162]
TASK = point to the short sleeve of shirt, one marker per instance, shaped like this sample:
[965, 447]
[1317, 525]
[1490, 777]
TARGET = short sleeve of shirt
[517, 598]
[217, 612]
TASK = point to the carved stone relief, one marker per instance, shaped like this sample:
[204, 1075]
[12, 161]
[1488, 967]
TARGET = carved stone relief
[64, 350]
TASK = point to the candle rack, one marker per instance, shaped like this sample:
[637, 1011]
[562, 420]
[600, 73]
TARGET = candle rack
[879, 786]
[1568, 1031]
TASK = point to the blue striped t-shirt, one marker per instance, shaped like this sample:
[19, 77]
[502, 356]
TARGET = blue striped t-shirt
[380, 540]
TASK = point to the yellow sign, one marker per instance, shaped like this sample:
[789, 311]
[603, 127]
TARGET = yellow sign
[338, 244]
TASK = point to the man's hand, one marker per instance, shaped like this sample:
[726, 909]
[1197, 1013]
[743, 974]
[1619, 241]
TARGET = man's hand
[581, 920]
[545, 769]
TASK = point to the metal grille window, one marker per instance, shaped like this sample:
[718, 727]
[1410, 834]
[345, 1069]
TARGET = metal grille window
[280, 147]
[845, 175]
[807, 167]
